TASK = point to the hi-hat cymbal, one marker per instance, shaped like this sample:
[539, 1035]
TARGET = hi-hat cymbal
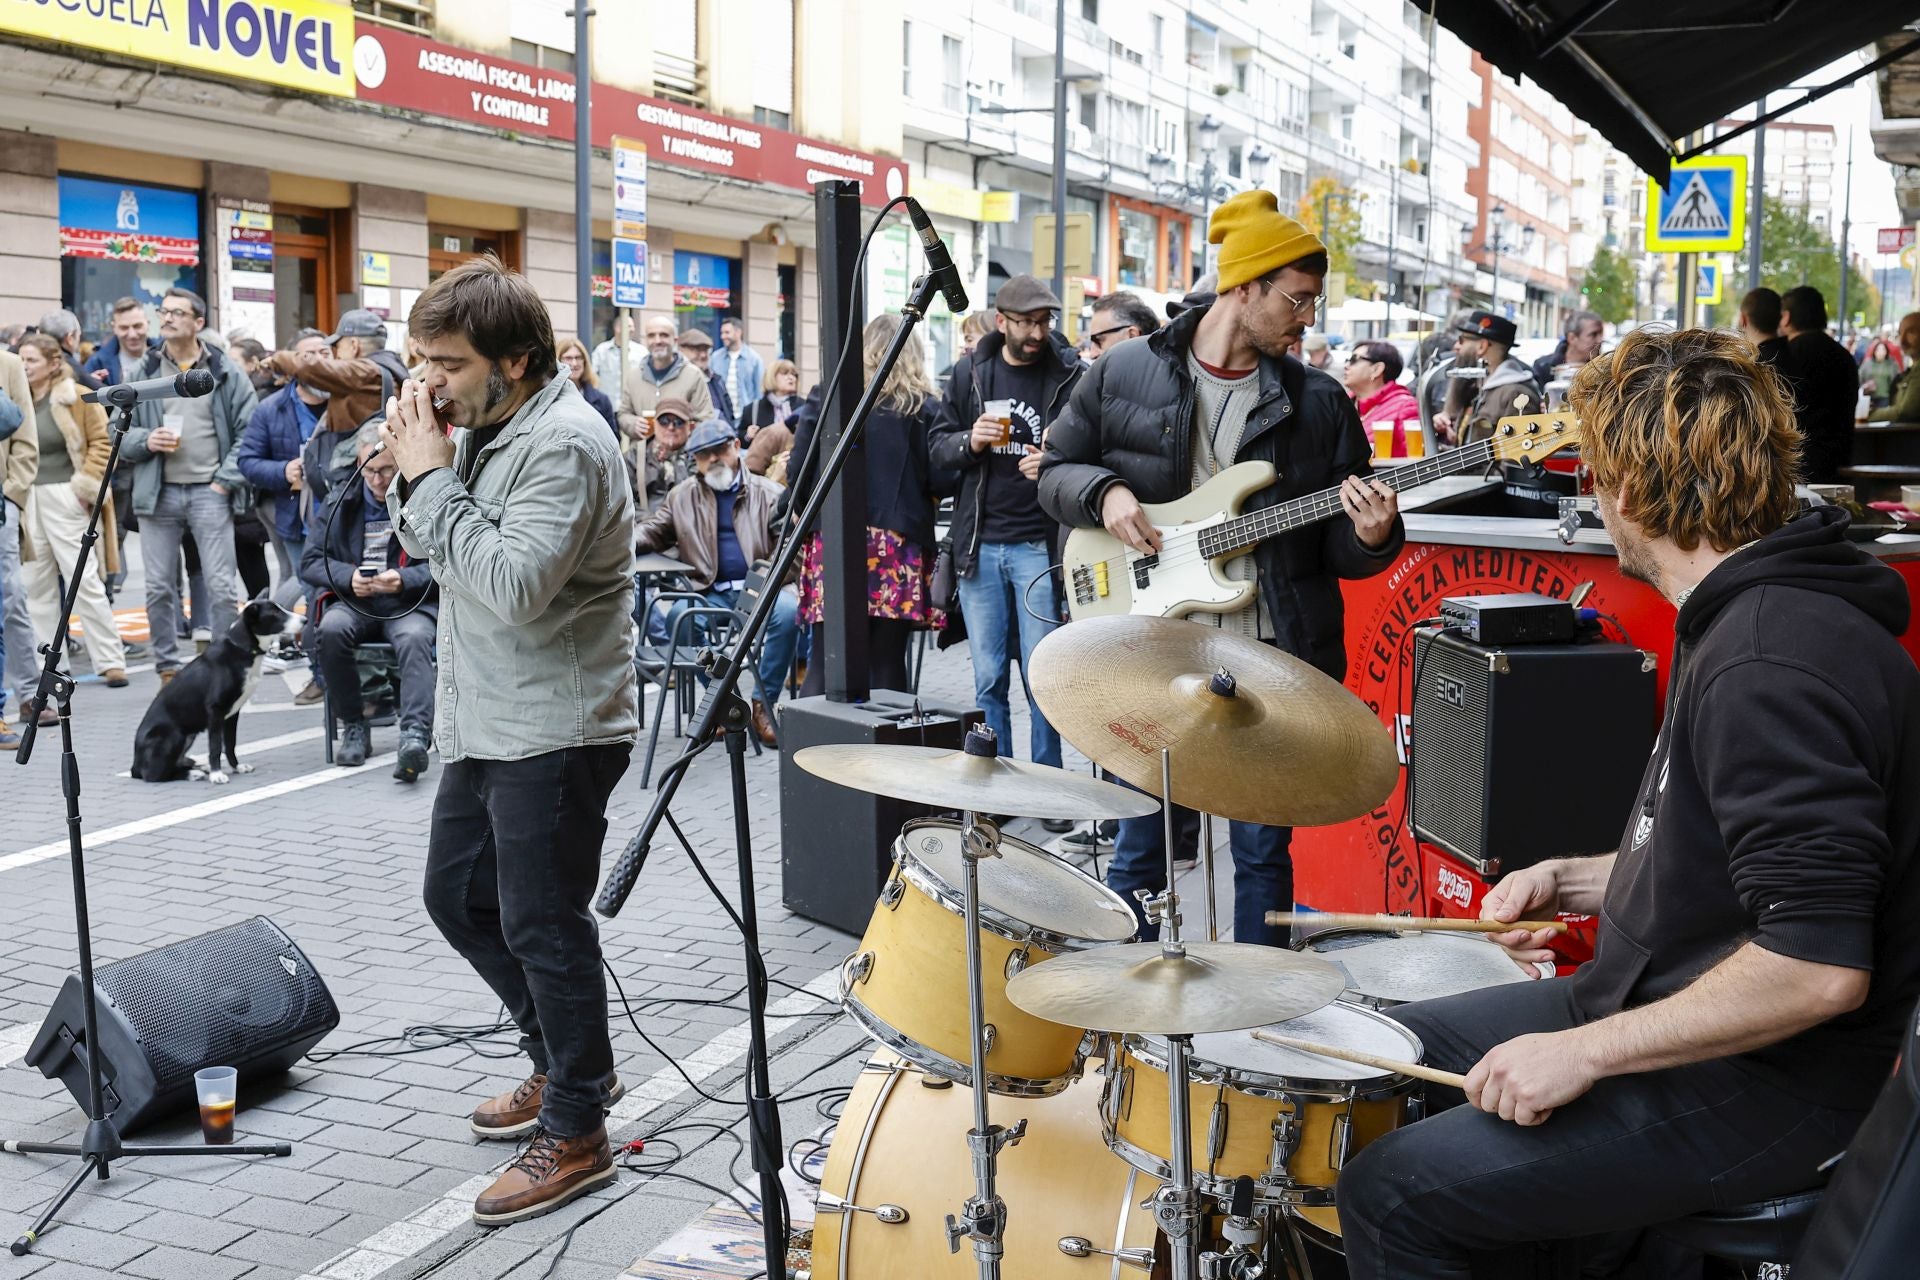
[1215, 986]
[1257, 735]
[983, 784]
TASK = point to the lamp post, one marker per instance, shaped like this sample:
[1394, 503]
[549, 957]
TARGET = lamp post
[1212, 185]
[1496, 244]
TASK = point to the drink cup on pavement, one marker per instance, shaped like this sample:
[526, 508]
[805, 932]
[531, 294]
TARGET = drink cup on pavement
[217, 1091]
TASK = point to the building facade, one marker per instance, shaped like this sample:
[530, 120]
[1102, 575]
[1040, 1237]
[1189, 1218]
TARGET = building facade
[287, 181]
[1523, 199]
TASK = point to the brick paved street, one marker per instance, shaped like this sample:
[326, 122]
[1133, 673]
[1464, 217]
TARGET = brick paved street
[383, 1170]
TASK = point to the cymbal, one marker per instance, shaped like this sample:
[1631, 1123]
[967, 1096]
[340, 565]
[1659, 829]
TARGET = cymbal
[1215, 986]
[1277, 741]
[984, 784]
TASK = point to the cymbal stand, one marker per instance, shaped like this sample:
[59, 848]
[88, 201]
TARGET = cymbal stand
[983, 1219]
[1176, 1206]
[1206, 877]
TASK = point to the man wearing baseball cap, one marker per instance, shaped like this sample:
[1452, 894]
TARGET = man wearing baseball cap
[349, 374]
[720, 520]
[1483, 341]
[1153, 420]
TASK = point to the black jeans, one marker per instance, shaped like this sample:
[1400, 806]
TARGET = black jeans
[341, 630]
[1464, 1193]
[511, 867]
[887, 643]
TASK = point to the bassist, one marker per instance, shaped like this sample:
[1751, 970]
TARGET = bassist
[1156, 417]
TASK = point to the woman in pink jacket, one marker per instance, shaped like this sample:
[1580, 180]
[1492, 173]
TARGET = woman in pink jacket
[1371, 376]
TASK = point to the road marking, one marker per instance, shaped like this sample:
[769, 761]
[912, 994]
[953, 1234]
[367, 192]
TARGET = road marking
[390, 1246]
[194, 812]
[265, 744]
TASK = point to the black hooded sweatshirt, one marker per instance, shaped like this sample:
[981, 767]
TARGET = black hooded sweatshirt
[1781, 805]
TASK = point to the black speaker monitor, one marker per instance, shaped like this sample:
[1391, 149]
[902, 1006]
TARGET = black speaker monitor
[836, 844]
[244, 996]
[1527, 753]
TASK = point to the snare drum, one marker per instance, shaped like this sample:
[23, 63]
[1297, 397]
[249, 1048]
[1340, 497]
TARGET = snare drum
[907, 984]
[1286, 1119]
[1388, 969]
[899, 1165]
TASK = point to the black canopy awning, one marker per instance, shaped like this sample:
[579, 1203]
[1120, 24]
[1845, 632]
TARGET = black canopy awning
[1646, 73]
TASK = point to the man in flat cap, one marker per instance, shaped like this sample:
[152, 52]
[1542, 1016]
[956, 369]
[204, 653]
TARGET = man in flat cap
[1155, 419]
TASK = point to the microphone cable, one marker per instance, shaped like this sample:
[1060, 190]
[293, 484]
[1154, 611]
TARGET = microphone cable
[326, 540]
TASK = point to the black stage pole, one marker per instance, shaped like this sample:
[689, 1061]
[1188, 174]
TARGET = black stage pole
[101, 1144]
[724, 711]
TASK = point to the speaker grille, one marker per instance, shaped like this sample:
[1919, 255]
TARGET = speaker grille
[1449, 744]
[208, 999]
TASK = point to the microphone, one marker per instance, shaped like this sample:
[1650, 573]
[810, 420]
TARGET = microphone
[939, 262]
[194, 382]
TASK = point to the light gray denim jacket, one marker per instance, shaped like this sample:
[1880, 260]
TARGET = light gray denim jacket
[531, 542]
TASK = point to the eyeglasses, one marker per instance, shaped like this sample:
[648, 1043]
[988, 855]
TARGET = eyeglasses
[669, 420]
[1045, 321]
[176, 312]
[1100, 339]
[1314, 304]
[381, 473]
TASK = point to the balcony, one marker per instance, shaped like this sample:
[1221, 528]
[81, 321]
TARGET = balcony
[407, 15]
[680, 79]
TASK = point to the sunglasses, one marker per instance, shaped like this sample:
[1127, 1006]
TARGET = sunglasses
[1101, 338]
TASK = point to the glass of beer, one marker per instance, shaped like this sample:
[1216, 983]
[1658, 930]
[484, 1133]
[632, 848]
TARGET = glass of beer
[1000, 411]
[1416, 443]
[1383, 441]
[217, 1088]
[646, 424]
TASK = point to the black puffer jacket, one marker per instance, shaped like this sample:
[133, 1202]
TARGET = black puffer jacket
[1130, 422]
[976, 380]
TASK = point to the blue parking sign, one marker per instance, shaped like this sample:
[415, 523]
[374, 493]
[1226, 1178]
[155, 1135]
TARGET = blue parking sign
[629, 273]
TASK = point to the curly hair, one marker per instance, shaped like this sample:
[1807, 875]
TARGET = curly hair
[1695, 434]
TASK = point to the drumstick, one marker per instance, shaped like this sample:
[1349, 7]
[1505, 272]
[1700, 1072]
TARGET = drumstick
[1414, 1069]
[1435, 924]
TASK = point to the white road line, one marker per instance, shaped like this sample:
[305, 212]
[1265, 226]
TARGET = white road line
[296, 680]
[14, 1042]
[393, 1245]
[265, 744]
[95, 840]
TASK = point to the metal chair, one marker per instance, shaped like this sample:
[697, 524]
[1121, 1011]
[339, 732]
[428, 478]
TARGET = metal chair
[675, 669]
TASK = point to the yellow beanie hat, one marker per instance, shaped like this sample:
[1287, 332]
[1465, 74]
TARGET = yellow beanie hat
[1255, 237]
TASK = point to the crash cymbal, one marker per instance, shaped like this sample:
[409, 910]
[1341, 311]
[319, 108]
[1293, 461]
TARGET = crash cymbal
[1215, 986]
[984, 784]
[1257, 734]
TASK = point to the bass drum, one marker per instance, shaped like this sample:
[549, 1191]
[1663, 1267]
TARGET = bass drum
[901, 1147]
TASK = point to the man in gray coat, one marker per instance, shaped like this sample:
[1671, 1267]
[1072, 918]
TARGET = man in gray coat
[528, 526]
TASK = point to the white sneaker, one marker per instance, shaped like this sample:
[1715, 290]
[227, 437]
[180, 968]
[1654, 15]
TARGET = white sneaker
[272, 664]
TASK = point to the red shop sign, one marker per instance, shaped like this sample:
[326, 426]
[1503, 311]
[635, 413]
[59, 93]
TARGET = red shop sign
[395, 69]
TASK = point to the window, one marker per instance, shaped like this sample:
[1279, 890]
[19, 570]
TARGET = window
[953, 85]
[1159, 41]
[1090, 10]
[1136, 264]
[677, 72]
[409, 15]
[1290, 187]
[1203, 43]
[906, 60]
[539, 55]
[773, 62]
[1089, 113]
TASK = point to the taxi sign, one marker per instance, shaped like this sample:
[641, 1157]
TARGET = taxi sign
[1702, 209]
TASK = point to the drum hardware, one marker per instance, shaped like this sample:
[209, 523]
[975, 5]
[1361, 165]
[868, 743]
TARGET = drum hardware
[1016, 962]
[983, 1218]
[856, 968]
[1338, 1140]
[891, 893]
[827, 1202]
[1081, 1247]
[1286, 1139]
[1217, 1130]
[1246, 1237]
[1206, 876]
[1407, 924]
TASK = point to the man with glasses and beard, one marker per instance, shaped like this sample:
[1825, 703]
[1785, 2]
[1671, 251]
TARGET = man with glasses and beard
[1154, 420]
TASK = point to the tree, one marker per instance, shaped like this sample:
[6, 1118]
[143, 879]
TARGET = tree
[1608, 286]
[1795, 252]
[1342, 230]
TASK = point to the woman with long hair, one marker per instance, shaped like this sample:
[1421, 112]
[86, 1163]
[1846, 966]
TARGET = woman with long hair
[1878, 370]
[767, 425]
[902, 490]
[578, 362]
[74, 443]
[1903, 397]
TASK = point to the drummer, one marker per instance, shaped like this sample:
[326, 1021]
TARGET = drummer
[1755, 960]
[1223, 367]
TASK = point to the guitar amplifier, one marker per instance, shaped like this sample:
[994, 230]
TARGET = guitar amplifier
[836, 844]
[1523, 754]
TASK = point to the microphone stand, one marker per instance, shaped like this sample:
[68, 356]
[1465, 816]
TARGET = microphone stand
[725, 711]
[101, 1145]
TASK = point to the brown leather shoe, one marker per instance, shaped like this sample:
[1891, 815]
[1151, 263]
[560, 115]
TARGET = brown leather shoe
[115, 677]
[517, 1112]
[548, 1172]
[167, 675]
[763, 725]
[310, 693]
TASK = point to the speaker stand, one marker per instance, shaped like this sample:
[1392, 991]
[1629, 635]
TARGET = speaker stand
[101, 1144]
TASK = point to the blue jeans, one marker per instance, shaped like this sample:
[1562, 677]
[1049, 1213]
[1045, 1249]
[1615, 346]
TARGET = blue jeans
[181, 509]
[781, 638]
[1262, 873]
[993, 600]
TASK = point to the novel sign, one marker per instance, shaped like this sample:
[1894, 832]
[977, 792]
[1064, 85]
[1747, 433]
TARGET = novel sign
[301, 44]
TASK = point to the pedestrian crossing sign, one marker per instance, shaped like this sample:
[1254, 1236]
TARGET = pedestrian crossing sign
[1702, 209]
[1707, 283]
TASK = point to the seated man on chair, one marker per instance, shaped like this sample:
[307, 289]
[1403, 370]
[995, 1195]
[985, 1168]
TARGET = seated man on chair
[368, 589]
[719, 520]
[1755, 962]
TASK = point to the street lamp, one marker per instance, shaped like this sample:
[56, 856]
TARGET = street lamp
[1497, 244]
[1160, 173]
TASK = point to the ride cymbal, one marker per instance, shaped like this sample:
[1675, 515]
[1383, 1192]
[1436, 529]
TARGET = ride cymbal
[1257, 735]
[1215, 986]
[983, 784]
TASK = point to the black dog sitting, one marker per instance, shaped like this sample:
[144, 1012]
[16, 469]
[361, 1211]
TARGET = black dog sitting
[206, 697]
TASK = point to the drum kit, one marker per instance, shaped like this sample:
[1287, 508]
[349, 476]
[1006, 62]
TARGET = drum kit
[1288, 1066]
